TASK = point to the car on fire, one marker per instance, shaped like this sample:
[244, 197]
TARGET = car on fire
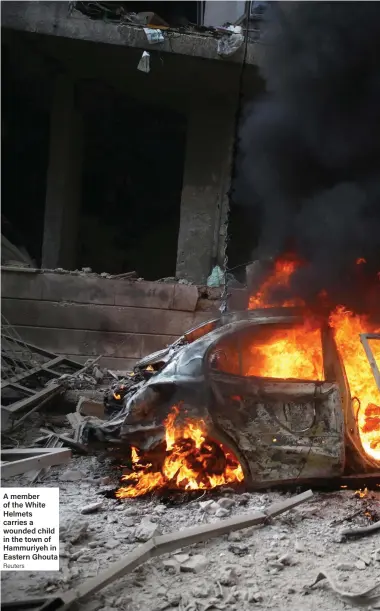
[281, 428]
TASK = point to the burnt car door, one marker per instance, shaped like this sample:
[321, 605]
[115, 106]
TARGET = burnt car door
[288, 427]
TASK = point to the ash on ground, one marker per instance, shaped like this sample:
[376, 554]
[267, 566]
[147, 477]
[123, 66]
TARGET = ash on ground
[266, 567]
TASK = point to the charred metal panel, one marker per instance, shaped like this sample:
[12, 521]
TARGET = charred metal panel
[285, 430]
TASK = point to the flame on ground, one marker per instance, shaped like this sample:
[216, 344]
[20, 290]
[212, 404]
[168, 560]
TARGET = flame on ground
[297, 353]
[192, 461]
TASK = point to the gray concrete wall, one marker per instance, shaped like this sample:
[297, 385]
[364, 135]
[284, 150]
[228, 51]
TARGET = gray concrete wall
[84, 316]
[204, 203]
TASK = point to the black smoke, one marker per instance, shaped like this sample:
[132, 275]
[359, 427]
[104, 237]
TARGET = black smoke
[310, 147]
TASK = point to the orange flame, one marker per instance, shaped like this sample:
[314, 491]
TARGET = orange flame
[188, 463]
[283, 270]
[294, 353]
[297, 353]
[360, 261]
[347, 329]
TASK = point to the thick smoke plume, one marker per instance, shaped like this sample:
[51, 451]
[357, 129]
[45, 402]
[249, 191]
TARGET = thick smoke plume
[311, 146]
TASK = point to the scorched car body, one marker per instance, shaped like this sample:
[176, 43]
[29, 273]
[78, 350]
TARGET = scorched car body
[279, 429]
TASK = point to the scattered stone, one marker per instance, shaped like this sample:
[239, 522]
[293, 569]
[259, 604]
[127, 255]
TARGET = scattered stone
[205, 505]
[170, 563]
[248, 595]
[222, 513]
[238, 550]
[63, 551]
[305, 512]
[291, 590]
[248, 532]
[360, 564]
[235, 536]
[85, 558]
[201, 591]
[111, 544]
[365, 559]
[180, 558]
[91, 508]
[344, 566]
[130, 511]
[299, 546]
[244, 498]
[286, 560]
[319, 553]
[93, 544]
[173, 599]
[87, 270]
[162, 606]
[95, 481]
[146, 530]
[228, 577]
[257, 597]
[194, 564]
[276, 565]
[128, 522]
[226, 503]
[160, 509]
[71, 475]
[73, 531]
[105, 481]
[271, 556]
[123, 601]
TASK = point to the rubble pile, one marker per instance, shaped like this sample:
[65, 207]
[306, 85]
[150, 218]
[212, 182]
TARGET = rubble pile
[271, 567]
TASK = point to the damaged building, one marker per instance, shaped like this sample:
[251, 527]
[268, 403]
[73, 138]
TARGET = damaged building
[190, 302]
[126, 135]
[121, 161]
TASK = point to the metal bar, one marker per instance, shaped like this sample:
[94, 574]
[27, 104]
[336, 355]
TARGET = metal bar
[364, 337]
[19, 406]
[29, 604]
[31, 347]
[31, 372]
[24, 389]
[38, 460]
[171, 542]
[53, 442]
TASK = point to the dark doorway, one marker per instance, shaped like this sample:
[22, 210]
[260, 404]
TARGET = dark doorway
[132, 184]
[25, 152]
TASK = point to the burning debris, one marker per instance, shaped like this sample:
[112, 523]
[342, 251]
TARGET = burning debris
[297, 353]
[265, 396]
[189, 461]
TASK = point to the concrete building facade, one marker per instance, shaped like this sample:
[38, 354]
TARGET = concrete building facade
[163, 198]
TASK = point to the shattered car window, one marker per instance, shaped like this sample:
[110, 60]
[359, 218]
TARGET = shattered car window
[272, 351]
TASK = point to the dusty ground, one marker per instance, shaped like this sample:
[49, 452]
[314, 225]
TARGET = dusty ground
[265, 567]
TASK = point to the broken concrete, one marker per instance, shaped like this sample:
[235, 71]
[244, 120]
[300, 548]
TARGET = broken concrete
[55, 19]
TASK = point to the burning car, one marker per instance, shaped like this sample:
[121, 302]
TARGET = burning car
[260, 397]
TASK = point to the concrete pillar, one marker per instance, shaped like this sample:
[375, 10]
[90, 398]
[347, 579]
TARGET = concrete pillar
[204, 202]
[64, 179]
